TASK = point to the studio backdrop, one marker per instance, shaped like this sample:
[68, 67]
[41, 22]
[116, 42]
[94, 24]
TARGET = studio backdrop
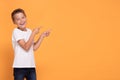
[84, 43]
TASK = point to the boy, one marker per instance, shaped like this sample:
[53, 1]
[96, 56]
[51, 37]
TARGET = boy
[24, 45]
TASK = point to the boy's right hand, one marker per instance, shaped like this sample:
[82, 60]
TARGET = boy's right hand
[36, 30]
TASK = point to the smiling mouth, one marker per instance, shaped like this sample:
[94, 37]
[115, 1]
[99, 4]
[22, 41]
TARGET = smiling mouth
[22, 24]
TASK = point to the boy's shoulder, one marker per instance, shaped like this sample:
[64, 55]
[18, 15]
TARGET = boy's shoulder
[28, 29]
[16, 29]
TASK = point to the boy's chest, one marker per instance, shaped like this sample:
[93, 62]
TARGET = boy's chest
[26, 36]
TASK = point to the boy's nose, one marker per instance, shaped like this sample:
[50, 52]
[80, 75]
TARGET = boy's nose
[21, 20]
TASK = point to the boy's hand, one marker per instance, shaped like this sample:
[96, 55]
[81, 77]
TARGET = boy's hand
[45, 34]
[36, 30]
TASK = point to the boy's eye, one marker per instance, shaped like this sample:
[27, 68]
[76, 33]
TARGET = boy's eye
[23, 17]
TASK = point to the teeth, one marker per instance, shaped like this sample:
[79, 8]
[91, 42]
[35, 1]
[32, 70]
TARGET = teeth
[22, 24]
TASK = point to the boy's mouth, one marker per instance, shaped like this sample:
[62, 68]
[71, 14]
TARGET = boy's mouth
[22, 24]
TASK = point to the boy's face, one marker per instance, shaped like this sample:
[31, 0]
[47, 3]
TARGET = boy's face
[20, 20]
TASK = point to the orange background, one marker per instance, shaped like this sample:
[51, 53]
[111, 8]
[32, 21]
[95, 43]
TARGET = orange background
[84, 43]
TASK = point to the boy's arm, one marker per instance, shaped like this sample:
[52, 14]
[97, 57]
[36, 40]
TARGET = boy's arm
[39, 41]
[26, 45]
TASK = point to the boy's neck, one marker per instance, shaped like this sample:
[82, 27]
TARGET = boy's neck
[22, 29]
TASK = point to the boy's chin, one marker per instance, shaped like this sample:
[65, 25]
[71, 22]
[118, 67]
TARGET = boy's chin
[22, 27]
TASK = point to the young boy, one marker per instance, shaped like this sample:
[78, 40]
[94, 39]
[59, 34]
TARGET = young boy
[24, 45]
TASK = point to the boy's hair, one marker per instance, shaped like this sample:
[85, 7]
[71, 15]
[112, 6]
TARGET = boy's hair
[19, 10]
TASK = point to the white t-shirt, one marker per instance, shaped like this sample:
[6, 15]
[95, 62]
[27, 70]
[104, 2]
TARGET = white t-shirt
[22, 58]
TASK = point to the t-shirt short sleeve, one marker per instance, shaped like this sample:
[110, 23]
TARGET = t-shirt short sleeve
[18, 35]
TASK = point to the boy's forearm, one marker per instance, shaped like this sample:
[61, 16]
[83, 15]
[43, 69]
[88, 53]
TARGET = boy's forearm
[38, 43]
[30, 41]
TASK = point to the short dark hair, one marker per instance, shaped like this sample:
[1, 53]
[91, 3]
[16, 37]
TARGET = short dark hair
[19, 10]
